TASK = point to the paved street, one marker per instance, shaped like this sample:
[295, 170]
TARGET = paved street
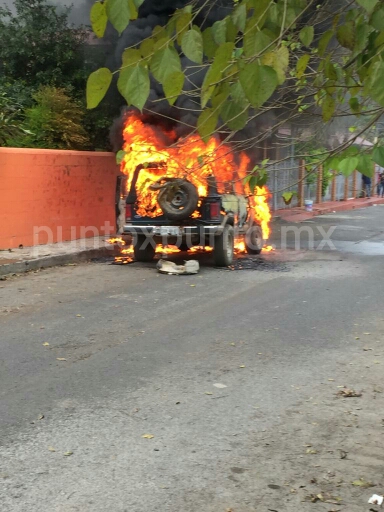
[235, 374]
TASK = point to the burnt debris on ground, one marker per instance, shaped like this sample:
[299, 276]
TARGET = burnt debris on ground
[258, 263]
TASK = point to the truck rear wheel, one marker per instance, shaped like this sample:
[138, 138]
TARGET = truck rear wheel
[254, 240]
[224, 247]
[144, 248]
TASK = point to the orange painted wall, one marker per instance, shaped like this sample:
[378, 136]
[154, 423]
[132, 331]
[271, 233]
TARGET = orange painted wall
[60, 190]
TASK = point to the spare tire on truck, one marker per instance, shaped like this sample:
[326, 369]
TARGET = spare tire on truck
[177, 198]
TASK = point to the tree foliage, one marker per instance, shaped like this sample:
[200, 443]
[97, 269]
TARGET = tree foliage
[38, 46]
[322, 59]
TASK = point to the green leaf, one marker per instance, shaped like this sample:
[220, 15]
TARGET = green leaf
[258, 178]
[365, 165]
[209, 44]
[220, 95]
[379, 41]
[165, 62]
[238, 52]
[219, 31]
[192, 46]
[377, 20]
[206, 124]
[328, 107]
[239, 16]
[97, 86]
[223, 55]
[262, 178]
[255, 42]
[348, 165]
[261, 9]
[211, 78]
[119, 14]
[258, 83]
[331, 163]
[306, 35]
[130, 57]
[221, 60]
[324, 42]
[120, 156]
[252, 184]
[238, 95]
[378, 156]
[346, 35]
[234, 115]
[133, 84]
[330, 70]
[231, 32]
[161, 43]
[133, 10]
[281, 63]
[302, 64]
[362, 33]
[159, 32]
[374, 85]
[355, 105]
[291, 16]
[287, 196]
[173, 85]
[146, 47]
[368, 5]
[99, 18]
[278, 60]
[182, 25]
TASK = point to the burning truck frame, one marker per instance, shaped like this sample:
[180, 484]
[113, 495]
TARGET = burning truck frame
[184, 193]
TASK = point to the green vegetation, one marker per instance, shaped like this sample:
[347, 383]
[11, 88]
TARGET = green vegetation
[54, 121]
[43, 73]
[311, 60]
[11, 119]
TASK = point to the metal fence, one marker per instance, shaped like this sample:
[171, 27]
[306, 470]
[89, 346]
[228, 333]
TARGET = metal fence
[282, 177]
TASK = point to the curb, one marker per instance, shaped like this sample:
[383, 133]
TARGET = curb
[302, 215]
[19, 267]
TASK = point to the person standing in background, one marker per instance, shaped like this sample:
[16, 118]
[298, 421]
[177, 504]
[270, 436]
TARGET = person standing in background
[367, 183]
[381, 184]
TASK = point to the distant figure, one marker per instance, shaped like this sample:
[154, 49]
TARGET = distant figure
[367, 183]
[381, 184]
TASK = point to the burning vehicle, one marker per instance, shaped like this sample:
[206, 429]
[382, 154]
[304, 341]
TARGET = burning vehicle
[186, 193]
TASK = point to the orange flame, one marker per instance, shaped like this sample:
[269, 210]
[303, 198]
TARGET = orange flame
[187, 158]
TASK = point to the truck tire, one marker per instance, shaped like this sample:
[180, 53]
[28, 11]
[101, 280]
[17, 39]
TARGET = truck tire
[179, 204]
[254, 240]
[224, 247]
[144, 248]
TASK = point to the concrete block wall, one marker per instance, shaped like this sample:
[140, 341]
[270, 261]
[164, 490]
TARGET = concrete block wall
[48, 196]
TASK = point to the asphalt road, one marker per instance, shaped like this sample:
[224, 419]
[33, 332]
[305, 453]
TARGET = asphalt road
[96, 356]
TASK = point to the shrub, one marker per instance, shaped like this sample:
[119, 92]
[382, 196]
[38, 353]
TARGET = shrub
[54, 122]
[11, 119]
